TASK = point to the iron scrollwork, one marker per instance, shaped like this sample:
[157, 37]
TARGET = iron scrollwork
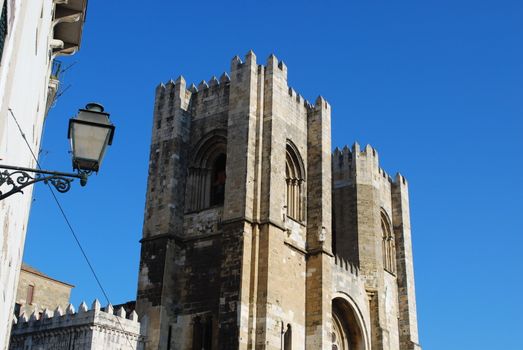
[19, 178]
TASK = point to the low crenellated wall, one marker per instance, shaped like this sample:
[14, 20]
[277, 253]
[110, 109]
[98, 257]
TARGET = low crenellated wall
[94, 328]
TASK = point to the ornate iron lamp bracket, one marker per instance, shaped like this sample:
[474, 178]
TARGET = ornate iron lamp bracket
[19, 178]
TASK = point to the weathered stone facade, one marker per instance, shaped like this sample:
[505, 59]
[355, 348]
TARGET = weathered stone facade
[36, 292]
[240, 247]
[94, 329]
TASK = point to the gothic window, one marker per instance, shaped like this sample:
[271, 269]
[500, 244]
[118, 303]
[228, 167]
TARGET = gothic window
[207, 177]
[218, 180]
[197, 333]
[388, 244]
[295, 184]
[339, 338]
[347, 327]
[202, 333]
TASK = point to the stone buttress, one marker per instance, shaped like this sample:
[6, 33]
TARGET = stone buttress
[372, 232]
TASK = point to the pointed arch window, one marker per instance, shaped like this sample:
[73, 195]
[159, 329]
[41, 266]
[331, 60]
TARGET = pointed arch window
[218, 180]
[207, 173]
[388, 244]
[202, 333]
[295, 184]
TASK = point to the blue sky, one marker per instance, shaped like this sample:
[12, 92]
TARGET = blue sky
[435, 86]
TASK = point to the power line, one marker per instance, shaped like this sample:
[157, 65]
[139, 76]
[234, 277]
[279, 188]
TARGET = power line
[69, 225]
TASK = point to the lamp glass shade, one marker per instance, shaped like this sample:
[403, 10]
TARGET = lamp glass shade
[90, 133]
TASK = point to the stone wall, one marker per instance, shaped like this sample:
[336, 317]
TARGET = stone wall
[348, 284]
[48, 293]
[86, 329]
[224, 263]
[242, 273]
[363, 194]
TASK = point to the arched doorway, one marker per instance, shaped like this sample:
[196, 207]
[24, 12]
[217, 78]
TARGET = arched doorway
[347, 333]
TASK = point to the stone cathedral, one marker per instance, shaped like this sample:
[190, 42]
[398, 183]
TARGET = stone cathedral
[257, 236]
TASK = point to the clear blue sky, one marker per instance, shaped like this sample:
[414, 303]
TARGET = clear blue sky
[435, 86]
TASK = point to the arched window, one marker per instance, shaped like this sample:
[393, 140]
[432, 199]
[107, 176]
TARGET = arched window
[197, 334]
[388, 244]
[202, 333]
[287, 338]
[339, 336]
[218, 180]
[295, 184]
[347, 327]
[206, 178]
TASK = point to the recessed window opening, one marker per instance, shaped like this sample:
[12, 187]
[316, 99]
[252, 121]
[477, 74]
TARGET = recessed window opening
[287, 338]
[30, 294]
[295, 184]
[218, 180]
[388, 244]
[206, 176]
[202, 333]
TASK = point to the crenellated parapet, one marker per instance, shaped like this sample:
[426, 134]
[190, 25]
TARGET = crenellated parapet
[351, 165]
[198, 97]
[257, 234]
[199, 225]
[372, 231]
[102, 328]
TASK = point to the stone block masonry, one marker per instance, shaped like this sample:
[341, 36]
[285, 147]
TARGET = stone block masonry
[256, 236]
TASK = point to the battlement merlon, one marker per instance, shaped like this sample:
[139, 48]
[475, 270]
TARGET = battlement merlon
[273, 66]
[354, 164]
[56, 319]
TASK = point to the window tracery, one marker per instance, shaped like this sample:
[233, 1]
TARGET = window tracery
[295, 184]
[207, 173]
[388, 244]
[339, 337]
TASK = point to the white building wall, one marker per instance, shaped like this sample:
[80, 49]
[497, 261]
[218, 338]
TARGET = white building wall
[25, 68]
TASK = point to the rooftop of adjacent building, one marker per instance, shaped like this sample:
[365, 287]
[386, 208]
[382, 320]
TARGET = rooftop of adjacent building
[30, 269]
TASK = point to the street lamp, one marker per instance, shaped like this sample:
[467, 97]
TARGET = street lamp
[90, 134]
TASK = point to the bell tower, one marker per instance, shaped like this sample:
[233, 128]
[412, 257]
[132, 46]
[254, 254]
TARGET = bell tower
[240, 249]
[236, 237]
